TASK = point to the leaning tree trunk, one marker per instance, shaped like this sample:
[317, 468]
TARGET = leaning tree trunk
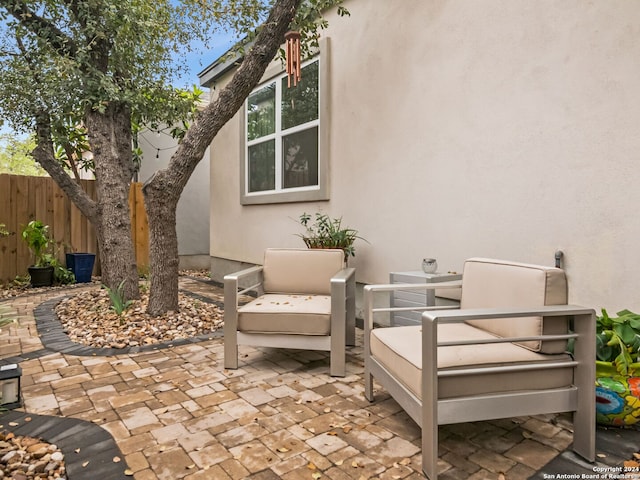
[109, 215]
[110, 140]
[162, 191]
[161, 203]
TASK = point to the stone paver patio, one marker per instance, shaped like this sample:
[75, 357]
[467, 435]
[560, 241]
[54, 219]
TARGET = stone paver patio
[176, 413]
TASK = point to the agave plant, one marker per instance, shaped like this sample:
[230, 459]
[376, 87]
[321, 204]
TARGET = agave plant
[618, 340]
[7, 316]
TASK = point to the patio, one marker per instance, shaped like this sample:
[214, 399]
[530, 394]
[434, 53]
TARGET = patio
[175, 412]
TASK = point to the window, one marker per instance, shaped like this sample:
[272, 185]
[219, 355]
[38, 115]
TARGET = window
[282, 159]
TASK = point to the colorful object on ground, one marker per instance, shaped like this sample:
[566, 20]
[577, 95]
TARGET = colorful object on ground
[617, 397]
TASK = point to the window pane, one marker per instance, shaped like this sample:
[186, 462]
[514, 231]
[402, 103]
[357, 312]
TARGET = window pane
[300, 159]
[261, 111]
[262, 172]
[300, 103]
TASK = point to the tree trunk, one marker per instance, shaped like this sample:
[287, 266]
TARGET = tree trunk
[161, 203]
[163, 190]
[110, 141]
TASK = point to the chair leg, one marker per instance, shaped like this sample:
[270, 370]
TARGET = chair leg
[351, 313]
[368, 382]
[429, 399]
[230, 327]
[230, 351]
[337, 356]
[584, 417]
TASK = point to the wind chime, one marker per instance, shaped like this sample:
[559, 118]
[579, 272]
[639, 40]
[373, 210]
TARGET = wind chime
[292, 50]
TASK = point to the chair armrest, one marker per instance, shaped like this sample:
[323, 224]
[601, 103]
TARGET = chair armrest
[232, 280]
[458, 316]
[455, 284]
[343, 308]
[343, 276]
[369, 303]
[584, 329]
[371, 290]
[243, 273]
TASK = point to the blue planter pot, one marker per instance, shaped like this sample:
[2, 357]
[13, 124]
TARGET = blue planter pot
[81, 264]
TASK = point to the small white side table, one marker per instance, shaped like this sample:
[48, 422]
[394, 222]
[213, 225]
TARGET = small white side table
[404, 298]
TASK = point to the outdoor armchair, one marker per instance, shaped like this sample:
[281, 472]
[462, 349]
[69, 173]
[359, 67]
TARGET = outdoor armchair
[502, 354]
[306, 301]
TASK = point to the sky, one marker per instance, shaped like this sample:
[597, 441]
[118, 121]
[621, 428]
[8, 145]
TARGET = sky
[200, 59]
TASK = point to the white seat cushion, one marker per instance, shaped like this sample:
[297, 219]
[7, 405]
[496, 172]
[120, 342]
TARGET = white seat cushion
[399, 350]
[288, 314]
[489, 283]
[289, 270]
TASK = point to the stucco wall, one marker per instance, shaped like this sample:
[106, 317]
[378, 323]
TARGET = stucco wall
[192, 214]
[500, 128]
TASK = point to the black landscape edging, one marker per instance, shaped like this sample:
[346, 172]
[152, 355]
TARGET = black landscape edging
[80, 441]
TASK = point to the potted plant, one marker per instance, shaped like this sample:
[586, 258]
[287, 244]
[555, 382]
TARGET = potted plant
[327, 232]
[618, 368]
[36, 235]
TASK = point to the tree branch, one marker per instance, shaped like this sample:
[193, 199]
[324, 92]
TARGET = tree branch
[43, 153]
[40, 27]
[215, 115]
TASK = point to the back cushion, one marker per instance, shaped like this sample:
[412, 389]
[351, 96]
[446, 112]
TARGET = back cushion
[306, 271]
[490, 283]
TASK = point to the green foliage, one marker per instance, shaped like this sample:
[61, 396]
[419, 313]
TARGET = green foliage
[7, 315]
[118, 304]
[3, 230]
[67, 58]
[36, 235]
[62, 275]
[309, 21]
[618, 340]
[327, 232]
[70, 143]
[16, 158]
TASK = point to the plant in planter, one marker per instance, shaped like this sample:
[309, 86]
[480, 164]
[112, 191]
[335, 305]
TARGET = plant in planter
[327, 232]
[617, 367]
[36, 235]
[46, 268]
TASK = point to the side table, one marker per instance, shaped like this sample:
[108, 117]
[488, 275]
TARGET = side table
[404, 298]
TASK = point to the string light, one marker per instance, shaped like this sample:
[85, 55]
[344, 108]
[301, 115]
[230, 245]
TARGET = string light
[155, 147]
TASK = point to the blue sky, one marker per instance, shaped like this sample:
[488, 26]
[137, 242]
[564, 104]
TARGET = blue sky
[200, 58]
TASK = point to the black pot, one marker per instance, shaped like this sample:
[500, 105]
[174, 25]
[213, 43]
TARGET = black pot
[41, 276]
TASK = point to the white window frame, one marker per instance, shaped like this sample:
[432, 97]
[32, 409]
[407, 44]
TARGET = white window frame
[297, 194]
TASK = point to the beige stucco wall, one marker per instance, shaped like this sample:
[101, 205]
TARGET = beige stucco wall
[192, 214]
[498, 128]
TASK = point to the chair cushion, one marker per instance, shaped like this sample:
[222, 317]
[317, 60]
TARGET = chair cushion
[399, 350]
[488, 283]
[304, 271]
[289, 314]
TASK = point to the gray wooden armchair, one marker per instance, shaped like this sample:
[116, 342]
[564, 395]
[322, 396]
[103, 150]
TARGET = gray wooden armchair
[306, 301]
[501, 355]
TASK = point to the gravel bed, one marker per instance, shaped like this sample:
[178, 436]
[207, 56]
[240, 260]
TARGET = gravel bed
[25, 458]
[87, 317]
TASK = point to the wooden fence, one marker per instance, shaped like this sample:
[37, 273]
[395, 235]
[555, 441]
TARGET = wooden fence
[24, 198]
